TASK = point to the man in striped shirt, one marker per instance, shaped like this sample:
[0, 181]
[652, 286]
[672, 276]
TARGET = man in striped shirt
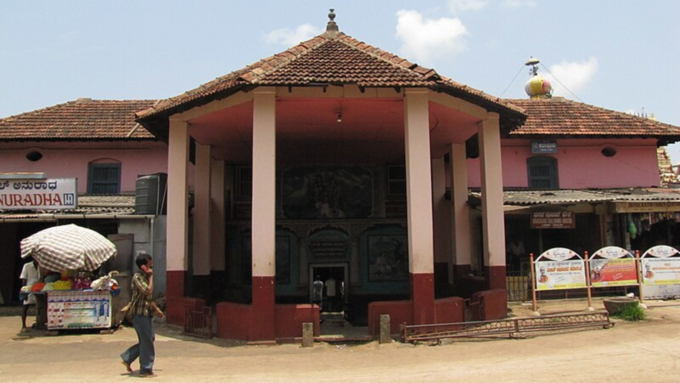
[142, 309]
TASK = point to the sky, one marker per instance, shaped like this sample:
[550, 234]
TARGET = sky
[622, 55]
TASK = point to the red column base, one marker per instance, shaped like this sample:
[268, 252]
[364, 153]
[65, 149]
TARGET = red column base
[422, 295]
[496, 277]
[264, 309]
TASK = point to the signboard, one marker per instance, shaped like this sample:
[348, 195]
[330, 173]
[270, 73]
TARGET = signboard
[553, 220]
[543, 147]
[647, 206]
[613, 272]
[660, 271]
[78, 309]
[43, 194]
[560, 275]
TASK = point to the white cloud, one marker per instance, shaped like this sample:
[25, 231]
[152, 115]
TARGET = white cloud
[575, 76]
[426, 39]
[288, 37]
[519, 3]
[456, 6]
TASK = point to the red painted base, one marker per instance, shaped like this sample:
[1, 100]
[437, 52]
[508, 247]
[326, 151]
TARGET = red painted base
[264, 310]
[422, 295]
[174, 283]
[496, 277]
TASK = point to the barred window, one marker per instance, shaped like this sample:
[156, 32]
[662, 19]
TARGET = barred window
[244, 183]
[104, 178]
[396, 181]
[542, 172]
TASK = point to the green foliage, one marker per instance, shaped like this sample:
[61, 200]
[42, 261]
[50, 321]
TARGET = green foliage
[631, 313]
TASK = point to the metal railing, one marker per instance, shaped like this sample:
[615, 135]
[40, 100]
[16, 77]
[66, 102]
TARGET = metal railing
[510, 328]
[198, 322]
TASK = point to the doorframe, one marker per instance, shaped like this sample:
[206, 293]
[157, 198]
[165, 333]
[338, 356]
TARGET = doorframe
[312, 276]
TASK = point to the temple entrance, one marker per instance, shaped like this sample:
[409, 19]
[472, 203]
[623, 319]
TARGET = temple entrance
[332, 281]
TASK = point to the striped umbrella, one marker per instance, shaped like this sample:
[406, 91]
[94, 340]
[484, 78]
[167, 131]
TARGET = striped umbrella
[68, 247]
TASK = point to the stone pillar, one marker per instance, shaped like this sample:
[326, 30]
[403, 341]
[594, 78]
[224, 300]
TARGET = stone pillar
[492, 201]
[419, 204]
[461, 260]
[178, 207]
[264, 213]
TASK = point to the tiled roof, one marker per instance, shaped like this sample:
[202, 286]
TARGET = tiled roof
[327, 59]
[558, 116]
[570, 196]
[83, 119]
[89, 206]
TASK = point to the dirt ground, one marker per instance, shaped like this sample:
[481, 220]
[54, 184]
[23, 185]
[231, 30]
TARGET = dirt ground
[647, 351]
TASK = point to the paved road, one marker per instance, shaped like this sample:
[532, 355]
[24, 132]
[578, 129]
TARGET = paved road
[630, 352]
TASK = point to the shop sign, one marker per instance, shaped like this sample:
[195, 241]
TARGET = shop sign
[560, 275]
[544, 147]
[647, 206]
[43, 194]
[553, 220]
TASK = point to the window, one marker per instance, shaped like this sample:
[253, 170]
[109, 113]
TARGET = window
[396, 181]
[542, 173]
[104, 178]
[244, 183]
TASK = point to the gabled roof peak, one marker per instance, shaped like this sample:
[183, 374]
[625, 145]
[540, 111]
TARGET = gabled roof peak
[332, 27]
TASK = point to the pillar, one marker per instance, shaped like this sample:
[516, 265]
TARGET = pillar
[419, 205]
[201, 222]
[178, 207]
[493, 225]
[264, 213]
[460, 211]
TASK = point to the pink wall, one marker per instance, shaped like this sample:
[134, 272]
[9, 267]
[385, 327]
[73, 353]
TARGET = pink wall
[581, 164]
[71, 159]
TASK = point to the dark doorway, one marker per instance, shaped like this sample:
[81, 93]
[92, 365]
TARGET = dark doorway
[335, 286]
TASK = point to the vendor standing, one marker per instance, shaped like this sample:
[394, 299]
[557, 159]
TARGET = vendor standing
[142, 309]
[29, 276]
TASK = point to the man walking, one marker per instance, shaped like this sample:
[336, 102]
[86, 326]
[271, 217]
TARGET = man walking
[142, 309]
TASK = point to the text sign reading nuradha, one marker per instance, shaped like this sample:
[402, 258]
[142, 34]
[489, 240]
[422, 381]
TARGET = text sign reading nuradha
[44, 194]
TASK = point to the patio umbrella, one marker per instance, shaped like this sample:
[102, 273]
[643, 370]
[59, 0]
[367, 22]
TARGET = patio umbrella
[68, 247]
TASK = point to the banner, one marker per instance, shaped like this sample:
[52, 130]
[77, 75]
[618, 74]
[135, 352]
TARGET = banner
[660, 271]
[613, 272]
[560, 275]
[44, 194]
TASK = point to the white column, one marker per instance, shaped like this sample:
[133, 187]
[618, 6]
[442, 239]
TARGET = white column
[460, 211]
[217, 218]
[419, 182]
[492, 197]
[178, 204]
[264, 183]
[201, 253]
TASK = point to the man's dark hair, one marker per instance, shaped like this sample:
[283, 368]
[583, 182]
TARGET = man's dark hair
[142, 259]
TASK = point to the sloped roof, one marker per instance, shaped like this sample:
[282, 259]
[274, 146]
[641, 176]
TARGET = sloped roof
[573, 196]
[83, 119]
[558, 116]
[327, 59]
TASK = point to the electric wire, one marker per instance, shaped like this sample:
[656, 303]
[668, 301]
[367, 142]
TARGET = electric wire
[511, 82]
[558, 80]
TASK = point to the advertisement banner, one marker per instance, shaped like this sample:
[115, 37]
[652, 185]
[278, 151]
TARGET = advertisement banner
[42, 194]
[660, 271]
[560, 275]
[613, 272]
